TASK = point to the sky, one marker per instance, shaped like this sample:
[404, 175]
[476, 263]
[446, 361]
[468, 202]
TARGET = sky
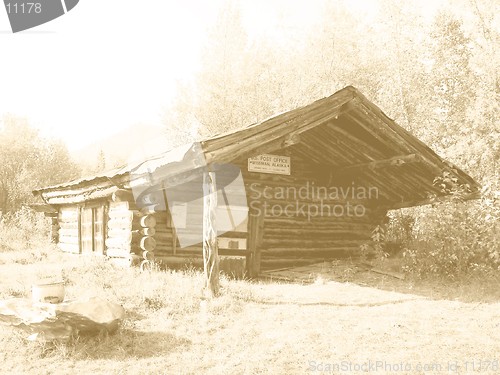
[103, 66]
[110, 64]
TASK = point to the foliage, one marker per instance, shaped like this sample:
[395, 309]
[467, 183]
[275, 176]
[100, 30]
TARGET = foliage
[438, 76]
[377, 247]
[24, 229]
[28, 161]
[455, 239]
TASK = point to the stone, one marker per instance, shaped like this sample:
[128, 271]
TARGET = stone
[61, 321]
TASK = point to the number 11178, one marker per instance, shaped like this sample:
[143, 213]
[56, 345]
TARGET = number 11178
[23, 8]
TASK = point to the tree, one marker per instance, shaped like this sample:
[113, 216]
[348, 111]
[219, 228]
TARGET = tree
[452, 79]
[28, 161]
[101, 161]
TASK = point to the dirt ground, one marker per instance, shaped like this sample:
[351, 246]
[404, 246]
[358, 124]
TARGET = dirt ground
[365, 322]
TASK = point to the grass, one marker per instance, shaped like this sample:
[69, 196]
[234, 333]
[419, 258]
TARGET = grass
[255, 327]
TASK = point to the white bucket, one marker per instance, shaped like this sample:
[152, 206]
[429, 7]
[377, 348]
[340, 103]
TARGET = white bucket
[48, 292]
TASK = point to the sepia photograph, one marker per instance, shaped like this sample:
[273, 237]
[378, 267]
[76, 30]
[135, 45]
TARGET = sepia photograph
[250, 187]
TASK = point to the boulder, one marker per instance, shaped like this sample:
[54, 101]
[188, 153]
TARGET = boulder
[61, 321]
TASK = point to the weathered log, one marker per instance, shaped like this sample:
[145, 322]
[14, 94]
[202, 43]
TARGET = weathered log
[164, 248]
[147, 243]
[121, 215]
[72, 225]
[320, 242]
[69, 239]
[164, 239]
[145, 231]
[118, 242]
[148, 255]
[153, 209]
[117, 232]
[147, 221]
[68, 214]
[288, 236]
[70, 248]
[308, 252]
[161, 229]
[63, 232]
[297, 125]
[122, 195]
[118, 206]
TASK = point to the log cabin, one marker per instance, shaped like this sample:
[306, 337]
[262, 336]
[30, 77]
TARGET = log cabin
[303, 186]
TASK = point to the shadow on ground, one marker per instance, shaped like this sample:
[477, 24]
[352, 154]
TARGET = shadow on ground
[391, 279]
[126, 344]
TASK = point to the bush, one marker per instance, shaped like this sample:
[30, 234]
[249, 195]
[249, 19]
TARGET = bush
[455, 239]
[24, 229]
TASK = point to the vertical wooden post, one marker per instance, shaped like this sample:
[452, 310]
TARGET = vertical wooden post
[254, 240]
[210, 247]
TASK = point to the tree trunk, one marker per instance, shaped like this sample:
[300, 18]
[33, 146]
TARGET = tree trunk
[210, 249]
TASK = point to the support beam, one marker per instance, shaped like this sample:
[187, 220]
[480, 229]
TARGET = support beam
[395, 161]
[290, 140]
[439, 199]
[254, 240]
[47, 209]
[210, 247]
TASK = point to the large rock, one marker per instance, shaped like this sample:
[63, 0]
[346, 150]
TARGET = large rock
[60, 321]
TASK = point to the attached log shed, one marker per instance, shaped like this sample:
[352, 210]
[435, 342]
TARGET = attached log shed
[310, 158]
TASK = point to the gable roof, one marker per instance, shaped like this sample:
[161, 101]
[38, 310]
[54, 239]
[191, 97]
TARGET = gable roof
[344, 134]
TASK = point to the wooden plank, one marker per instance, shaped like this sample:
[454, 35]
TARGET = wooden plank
[397, 275]
[69, 239]
[383, 163]
[87, 231]
[85, 196]
[421, 202]
[118, 206]
[99, 230]
[69, 248]
[255, 237]
[70, 232]
[122, 195]
[47, 209]
[285, 123]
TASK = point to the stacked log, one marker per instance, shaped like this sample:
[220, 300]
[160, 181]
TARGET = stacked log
[67, 229]
[331, 228]
[164, 235]
[130, 230]
[119, 231]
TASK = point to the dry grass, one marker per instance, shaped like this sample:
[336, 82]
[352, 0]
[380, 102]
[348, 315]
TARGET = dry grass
[254, 328]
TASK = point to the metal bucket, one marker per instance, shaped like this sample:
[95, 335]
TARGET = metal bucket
[48, 292]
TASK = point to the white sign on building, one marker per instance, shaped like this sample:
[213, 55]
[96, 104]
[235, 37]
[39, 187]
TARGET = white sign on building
[266, 163]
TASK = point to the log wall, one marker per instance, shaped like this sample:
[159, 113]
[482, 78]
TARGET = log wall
[296, 224]
[129, 232]
[309, 224]
[189, 220]
[68, 233]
